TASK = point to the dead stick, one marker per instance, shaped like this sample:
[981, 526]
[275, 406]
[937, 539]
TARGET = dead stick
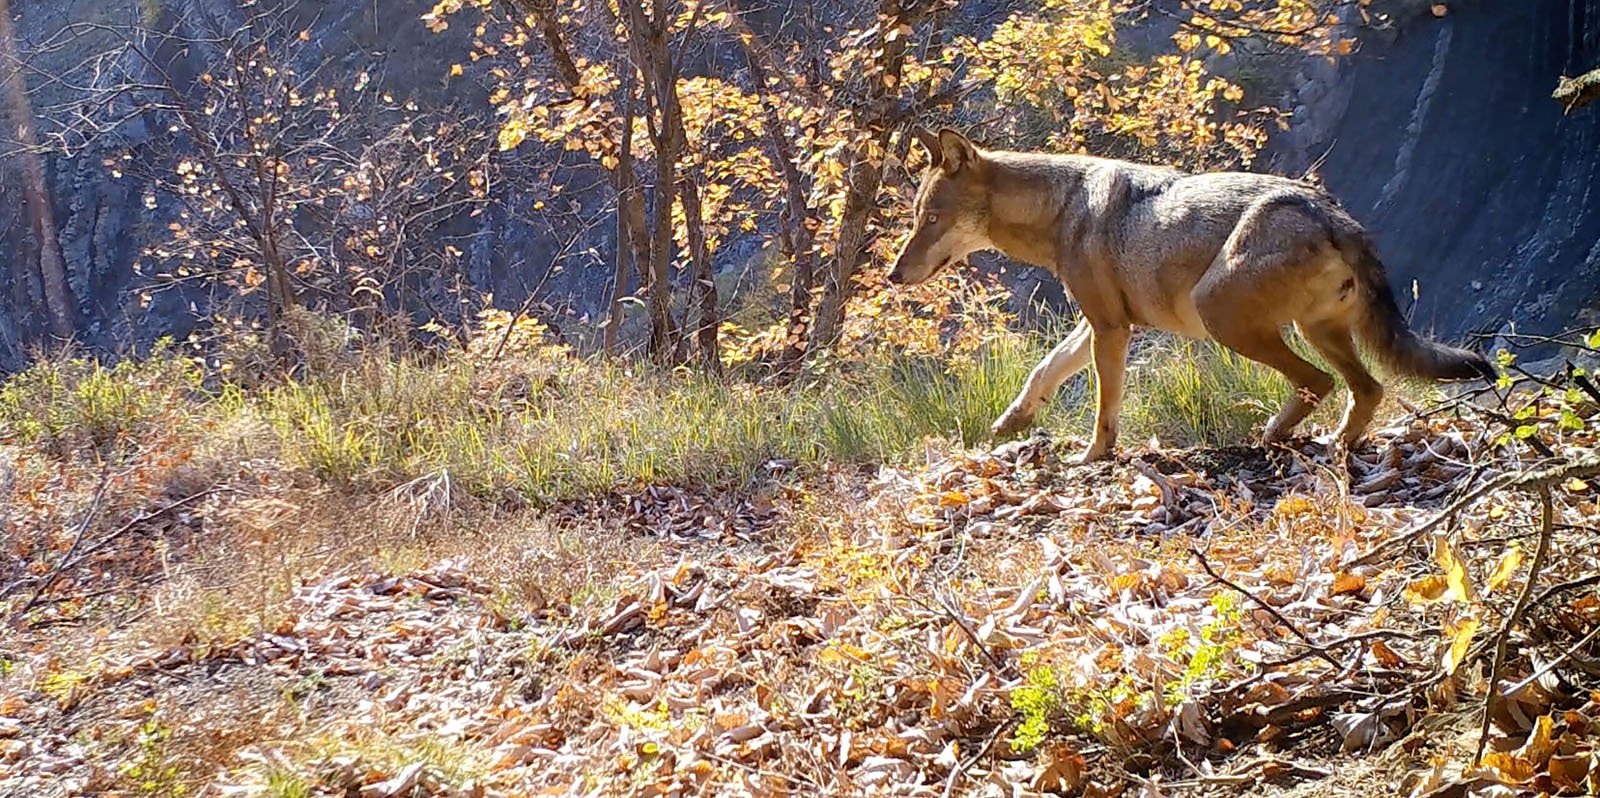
[1546, 531]
[1376, 634]
[67, 559]
[75, 557]
[961, 768]
[1304, 638]
[950, 612]
[1554, 590]
[1571, 652]
[1536, 478]
[1502, 481]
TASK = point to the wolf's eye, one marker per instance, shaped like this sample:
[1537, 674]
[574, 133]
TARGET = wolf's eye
[932, 218]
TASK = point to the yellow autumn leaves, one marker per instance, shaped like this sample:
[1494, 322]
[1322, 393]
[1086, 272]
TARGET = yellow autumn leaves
[1454, 585]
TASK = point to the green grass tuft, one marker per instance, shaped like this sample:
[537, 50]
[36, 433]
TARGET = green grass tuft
[554, 428]
[63, 405]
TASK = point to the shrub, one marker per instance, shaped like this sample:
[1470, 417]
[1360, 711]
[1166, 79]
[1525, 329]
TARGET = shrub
[63, 405]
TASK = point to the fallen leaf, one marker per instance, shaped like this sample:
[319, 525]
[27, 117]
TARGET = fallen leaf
[954, 498]
[1570, 772]
[1509, 562]
[1460, 634]
[1427, 589]
[1347, 583]
[1455, 569]
[1062, 773]
[1386, 656]
[1360, 730]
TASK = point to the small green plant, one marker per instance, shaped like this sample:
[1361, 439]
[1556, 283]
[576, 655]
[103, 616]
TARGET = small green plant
[62, 405]
[1037, 700]
[1562, 406]
[305, 686]
[1096, 707]
[150, 11]
[152, 770]
[284, 784]
[65, 686]
[1202, 660]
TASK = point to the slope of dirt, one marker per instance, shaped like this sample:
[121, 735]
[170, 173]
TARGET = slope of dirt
[1197, 622]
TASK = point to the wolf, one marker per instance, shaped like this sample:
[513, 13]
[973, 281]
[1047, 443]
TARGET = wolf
[1232, 257]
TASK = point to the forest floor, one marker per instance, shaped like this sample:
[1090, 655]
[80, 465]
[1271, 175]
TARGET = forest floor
[1295, 621]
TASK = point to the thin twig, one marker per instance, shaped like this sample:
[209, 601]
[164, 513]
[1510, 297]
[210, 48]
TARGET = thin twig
[962, 767]
[1554, 590]
[946, 609]
[77, 540]
[73, 557]
[1271, 610]
[1546, 531]
[1405, 538]
[1571, 652]
[1376, 634]
[1523, 480]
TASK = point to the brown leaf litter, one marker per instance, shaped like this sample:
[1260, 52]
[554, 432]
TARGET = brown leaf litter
[994, 623]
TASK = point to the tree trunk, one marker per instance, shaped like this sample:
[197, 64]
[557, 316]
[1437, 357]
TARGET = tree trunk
[630, 201]
[664, 341]
[866, 174]
[705, 283]
[59, 305]
[625, 240]
[647, 40]
[797, 222]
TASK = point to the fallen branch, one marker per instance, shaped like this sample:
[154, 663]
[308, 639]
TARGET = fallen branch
[1376, 634]
[947, 609]
[1271, 610]
[961, 768]
[74, 557]
[1557, 589]
[1572, 651]
[1532, 479]
[67, 558]
[1546, 532]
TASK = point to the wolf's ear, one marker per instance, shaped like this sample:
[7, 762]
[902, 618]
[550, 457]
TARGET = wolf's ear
[930, 143]
[958, 152]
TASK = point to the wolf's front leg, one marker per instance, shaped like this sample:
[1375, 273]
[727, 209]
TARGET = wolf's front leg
[1110, 362]
[1068, 358]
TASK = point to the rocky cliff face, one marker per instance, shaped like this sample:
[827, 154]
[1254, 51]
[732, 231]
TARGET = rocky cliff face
[1439, 134]
[1442, 137]
[105, 224]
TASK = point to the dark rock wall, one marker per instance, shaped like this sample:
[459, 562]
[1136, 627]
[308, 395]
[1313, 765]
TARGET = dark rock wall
[1440, 134]
[1442, 137]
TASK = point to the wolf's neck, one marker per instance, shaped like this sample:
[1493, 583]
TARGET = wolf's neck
[1029, 194]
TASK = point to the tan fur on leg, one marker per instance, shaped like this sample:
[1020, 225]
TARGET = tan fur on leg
[1068, 358]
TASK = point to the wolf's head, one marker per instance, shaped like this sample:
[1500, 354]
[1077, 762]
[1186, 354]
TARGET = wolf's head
[951, 211]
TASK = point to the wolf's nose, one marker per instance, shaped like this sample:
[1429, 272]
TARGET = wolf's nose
[895, 277]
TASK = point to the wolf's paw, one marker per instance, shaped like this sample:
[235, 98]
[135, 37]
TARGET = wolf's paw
[1275, 433]
[1010, 423]
[1094, 455]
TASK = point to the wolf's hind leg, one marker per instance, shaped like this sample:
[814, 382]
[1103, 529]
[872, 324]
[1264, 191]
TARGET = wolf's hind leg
[1264, 344]
[1334, 342]
[1068, 358]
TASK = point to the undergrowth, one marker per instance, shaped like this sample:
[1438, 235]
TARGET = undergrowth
[552, 426]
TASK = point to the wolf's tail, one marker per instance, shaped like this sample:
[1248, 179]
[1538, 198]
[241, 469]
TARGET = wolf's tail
[1384, 330]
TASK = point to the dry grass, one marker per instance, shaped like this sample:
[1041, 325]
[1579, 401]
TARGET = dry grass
[392, 465]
